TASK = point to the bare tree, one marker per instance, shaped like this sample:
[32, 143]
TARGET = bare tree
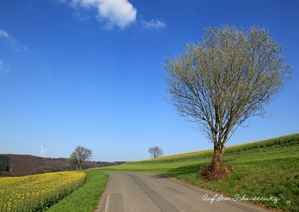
[155, 152]
[231, 76]
[80, 155]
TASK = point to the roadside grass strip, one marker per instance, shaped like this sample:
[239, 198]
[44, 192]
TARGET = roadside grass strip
[86, 198]
[37, 192]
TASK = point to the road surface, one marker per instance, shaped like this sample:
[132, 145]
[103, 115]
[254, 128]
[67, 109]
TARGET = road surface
[145, 192]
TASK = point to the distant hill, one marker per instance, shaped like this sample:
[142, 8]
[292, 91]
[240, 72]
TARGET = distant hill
[20, 165]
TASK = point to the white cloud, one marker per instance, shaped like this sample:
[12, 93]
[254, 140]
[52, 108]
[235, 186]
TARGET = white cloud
[154, 23]
[3, 33]
[2, 67]
[118, 13]
[11, 41]
[81, 17]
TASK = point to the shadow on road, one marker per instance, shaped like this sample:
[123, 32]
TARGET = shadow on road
[160, 176]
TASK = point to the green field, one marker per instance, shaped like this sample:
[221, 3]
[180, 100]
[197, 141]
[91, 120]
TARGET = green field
[86, 198]
[266, 170]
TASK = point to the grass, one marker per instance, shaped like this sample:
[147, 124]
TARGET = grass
[86, 198]
[268, 170]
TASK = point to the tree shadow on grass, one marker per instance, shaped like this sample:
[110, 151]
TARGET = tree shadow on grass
[189, 169]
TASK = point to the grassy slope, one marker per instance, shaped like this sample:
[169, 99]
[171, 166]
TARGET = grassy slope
[265, 169]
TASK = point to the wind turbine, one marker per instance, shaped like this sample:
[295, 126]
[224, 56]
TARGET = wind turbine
[42, 151]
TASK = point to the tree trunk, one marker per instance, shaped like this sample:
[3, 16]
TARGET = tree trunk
[216, 160]
[216, 170]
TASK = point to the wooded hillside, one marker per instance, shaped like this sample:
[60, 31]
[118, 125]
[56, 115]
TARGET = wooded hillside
[20, 165]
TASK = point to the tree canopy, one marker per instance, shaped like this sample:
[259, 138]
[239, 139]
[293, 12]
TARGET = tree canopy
[80, 155]
[156, 152]
[230, 76]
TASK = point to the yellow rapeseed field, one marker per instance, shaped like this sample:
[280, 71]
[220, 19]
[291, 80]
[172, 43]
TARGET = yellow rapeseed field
[37, 192]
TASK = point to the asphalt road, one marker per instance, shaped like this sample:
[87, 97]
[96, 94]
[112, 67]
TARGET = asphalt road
[145, 192]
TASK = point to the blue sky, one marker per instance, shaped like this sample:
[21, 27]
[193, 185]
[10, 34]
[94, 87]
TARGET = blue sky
[89, 73]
